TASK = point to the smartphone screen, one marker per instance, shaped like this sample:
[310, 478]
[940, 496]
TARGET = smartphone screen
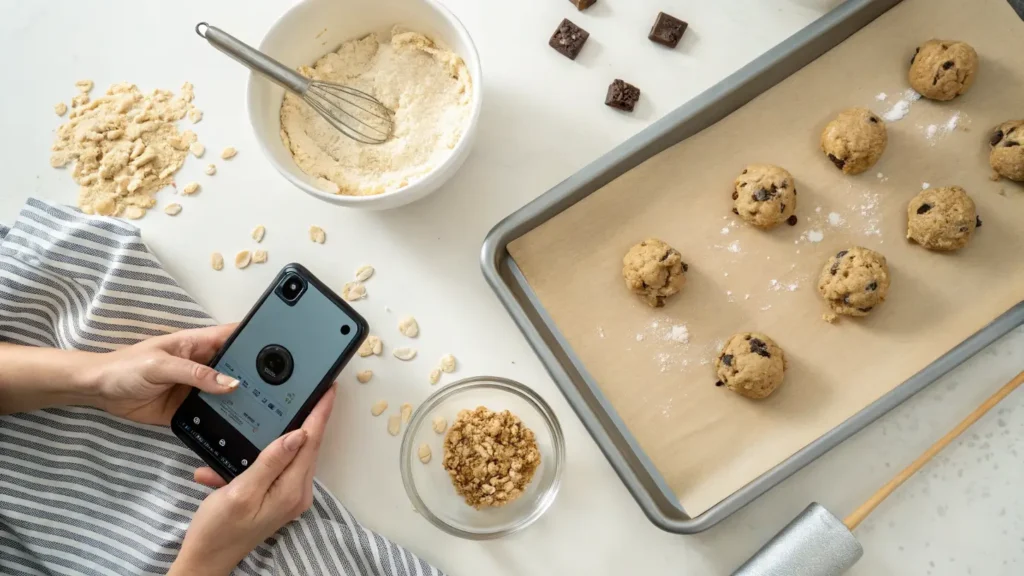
[284, 355]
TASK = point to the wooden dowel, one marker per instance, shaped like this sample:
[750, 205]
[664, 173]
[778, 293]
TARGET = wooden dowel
[858, 515]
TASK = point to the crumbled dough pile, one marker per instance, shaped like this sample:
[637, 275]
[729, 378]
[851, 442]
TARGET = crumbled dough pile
[490, 456]
[125, 146]
[428, 88]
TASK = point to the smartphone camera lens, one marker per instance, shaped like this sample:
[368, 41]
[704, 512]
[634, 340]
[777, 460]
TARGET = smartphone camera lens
[291, 288]
[274, 364]
[345, 330]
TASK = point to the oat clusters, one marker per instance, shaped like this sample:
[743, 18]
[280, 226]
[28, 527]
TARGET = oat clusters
[490, 456]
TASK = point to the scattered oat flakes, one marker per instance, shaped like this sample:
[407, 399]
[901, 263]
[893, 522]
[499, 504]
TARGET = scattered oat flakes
[172, 209]
[259, 256]
[448, 364]
[134, 212]
[353, 291]
[257, 232]
[439, 424]
[242, 259]
[363, 273]
[84, 85]
[228, 153]
[195, 115]
[317, 234]
[217, 261]
[364, 376]
[404, 353]
[190, 188]
[490, 457]
[394, 424]
[409, 327]
[210, 169]
[378, 407]
[406, 410]
[197, 149]
[435, 375]
[60, 108]
[372, 346]
[424, 452]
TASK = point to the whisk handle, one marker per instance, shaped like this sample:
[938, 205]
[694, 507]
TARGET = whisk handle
[253, 58]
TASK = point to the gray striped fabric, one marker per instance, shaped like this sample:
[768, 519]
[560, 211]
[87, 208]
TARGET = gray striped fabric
[82, 492]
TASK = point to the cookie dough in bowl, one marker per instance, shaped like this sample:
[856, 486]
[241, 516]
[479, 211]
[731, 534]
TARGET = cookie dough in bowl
[1007, 155]
[942, 218]
[854, 281]
[751, 364]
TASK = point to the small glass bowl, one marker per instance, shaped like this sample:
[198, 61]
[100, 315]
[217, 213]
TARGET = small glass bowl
[429, 486]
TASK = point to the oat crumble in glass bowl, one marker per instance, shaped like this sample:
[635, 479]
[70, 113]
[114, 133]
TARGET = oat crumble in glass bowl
[429, 486]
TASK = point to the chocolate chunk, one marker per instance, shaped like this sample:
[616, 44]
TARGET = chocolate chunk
[747, 337]
[744, 171]
[719, 383]
[727, 359]
[873, 119]
[686, 267]
[997, 137]
[872, 287]
[568, 39]
[837, 161]
[757, 346]
[841, 253]
[735, 211]
[782, 206]
[735, 195]
[835, 265]
[782, 185]
[977, 221]
[947, 64]
[868, 309]
[622, 95]
[923, 208]
[791, 220]
[963, 229]
[761, 195]
[794, 191]
[582, 4]
[935, 80]
[667, 30]
[1010, 144]
[916, 50]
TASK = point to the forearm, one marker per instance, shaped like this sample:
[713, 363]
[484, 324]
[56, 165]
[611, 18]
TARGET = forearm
[32, 378]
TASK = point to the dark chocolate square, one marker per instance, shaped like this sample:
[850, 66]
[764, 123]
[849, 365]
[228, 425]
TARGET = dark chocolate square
[582, 5]
[622, 95]
[569, 39]
[667, 30]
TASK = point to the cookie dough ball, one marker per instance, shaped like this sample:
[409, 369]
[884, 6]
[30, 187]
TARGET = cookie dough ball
[1007, 155]
[751, 365]
[764, 195]
[654, 271]
[941, 218]
[943, 69]
[854, 281]
[855, 140]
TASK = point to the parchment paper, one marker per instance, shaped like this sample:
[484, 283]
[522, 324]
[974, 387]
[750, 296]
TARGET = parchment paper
[706, 441]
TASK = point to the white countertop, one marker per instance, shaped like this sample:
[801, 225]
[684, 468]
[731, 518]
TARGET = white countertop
[543, 119]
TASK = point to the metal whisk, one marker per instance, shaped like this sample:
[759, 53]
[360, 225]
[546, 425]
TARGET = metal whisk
[354, 113]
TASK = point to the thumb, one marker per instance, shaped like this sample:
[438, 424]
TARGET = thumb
[174, 370]
[273, 461]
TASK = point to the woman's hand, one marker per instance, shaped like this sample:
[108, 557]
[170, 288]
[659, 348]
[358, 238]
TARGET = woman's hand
[239, 516]
[147, 382]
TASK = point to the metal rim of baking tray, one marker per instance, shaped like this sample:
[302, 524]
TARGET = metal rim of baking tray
[620, 448]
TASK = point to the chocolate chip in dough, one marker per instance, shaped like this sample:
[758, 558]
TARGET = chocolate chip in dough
[1010, 144]
[872, 287]
[997, 137]
[916, 50]
[977, 221]
[761, 195]
[757, 346]
[622, 95]
[839, 162]
[792, 220]
[727, 359]
[735, 195]
[735, 211]
[582, 5]
[719, 383]
[923, 208]
[947, 64]
[667, 30]
[568, 39]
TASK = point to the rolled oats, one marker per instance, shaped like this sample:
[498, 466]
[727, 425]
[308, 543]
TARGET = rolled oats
[80, 99]
[60, 108]
[258, 232]
[84, 85]
[363, 273]
[409, 327]
[406, 411]
[435, 375]
[217, 261]
[364, 376]
[448, 363]
[197, 149]
[190, 188]
[404, 353]
[394, 424]
[379, 407]
[172, 209]
[134, 212]
[228, 153]
[490, 457]
[353, 291]
[210, 169]
[242, 259]
[439, 424]
[372, 346]
[317, 234]
[424, 453]
[259, 256]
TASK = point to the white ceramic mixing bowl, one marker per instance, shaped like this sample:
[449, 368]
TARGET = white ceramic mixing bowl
[296, 39]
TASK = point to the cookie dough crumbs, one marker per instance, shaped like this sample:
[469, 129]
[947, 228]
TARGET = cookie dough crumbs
[363, 273]
[439, 424]
[190, 188]
[216, 261]
[435, 376]
[210, 169]
[317, 234]
[172, 209]
[124, 146]
[830, 317]
[258, 232]
[406, 411]
[490, 457]
[427, 86]
[197, 149]
[372, 346]
[84, 85]
[353, 291]
[394, 424]
[242, 259]
[404, 353]
[60, 108]
[447, 364]
[364, 376]
[409, 327]
[195, 115]
[259, 256]
[228, 153]
[187, 92]
[424, 453]
[379, 407]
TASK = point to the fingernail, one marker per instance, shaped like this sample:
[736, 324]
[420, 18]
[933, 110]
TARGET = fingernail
[295, 440]
[227, 381]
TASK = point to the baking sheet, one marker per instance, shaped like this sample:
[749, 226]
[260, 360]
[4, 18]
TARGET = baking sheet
[706, 442]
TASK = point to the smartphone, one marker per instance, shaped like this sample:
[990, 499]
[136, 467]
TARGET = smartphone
[285, 354]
